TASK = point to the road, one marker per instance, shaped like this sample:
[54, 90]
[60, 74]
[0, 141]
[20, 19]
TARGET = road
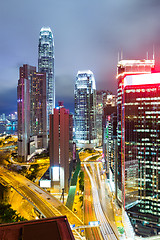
[48, 205]
[105, 224]
[91, 233]
[104, 195]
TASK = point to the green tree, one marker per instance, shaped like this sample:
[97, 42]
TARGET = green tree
[81, 200]
[23, 170]
[4, 157]
[34, 168]
[81, 181]
[7, 214]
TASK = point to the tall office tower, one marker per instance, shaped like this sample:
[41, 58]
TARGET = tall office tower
[3, 117]
[85, 109]
[136, 135]
[141, 144]
[100, 99]
[103, 98]
[23, 109]
[110, 141]
[59, 147]
[46, 65]
[31, 103]
[38, 114]
[111, 100]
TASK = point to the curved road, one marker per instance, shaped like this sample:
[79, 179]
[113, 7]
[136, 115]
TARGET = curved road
[48, 205]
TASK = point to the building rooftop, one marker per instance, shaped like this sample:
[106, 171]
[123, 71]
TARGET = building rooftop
[47, 228]
[125, 63]
[45, 29]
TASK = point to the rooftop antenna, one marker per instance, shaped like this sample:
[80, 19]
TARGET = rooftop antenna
[153, 53]
[147, 55]
[60, 103]
[121, 54]
[118, 57]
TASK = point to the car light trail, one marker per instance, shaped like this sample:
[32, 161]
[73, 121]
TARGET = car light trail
[105, 227]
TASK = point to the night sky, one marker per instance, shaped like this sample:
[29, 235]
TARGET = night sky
[87, 33]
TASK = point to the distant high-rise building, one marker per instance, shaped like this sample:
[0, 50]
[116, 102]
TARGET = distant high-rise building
[110, 142]
[38, 114]
[100, 96]
[85, 109]
[31, 104]
[103, 98]
[59, 147]
[46, 65]
[23, 109]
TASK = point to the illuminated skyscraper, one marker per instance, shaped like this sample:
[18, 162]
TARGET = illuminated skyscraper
[23, 109]
[110, 141]
[142, 143]
[59, 147]
[138, 176]
[128, 123]
[46, 65]
[100, 97]
[31, 103]
[85, 109]
[103, 99]
[38, 114]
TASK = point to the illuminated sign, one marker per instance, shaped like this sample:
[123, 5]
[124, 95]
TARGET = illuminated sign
[94, 223]
[72, 226]
[142, 79]
[55, 173]
[45, 183]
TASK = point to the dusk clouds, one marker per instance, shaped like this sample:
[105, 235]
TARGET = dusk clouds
[88, 35]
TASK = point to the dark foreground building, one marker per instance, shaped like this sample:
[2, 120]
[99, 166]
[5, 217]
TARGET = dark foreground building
[51, 228]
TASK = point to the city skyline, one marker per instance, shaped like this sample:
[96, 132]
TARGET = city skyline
[87, 36]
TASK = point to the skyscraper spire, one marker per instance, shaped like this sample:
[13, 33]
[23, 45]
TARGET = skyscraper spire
[46, 64]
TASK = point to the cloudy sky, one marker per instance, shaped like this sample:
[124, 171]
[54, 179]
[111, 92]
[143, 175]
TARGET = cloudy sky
[87, 33]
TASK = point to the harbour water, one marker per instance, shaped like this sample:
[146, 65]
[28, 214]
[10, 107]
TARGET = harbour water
[10, 129]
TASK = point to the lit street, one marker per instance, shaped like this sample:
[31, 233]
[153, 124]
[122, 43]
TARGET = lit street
[89, 213]
[47, 205]
[104, 194]
[106, 227]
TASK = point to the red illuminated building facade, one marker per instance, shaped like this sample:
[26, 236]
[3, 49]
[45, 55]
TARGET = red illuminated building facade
[59, 147]
[142, 143]
[137, 134]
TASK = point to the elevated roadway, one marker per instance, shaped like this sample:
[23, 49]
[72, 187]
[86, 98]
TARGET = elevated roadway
[47, 205]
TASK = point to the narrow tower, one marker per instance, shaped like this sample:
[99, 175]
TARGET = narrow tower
[46, 65]
[31, 106]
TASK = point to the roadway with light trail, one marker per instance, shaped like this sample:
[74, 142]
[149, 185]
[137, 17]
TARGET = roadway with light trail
[105, 226]
[91, 233]
[104, 195]
[47, 205]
